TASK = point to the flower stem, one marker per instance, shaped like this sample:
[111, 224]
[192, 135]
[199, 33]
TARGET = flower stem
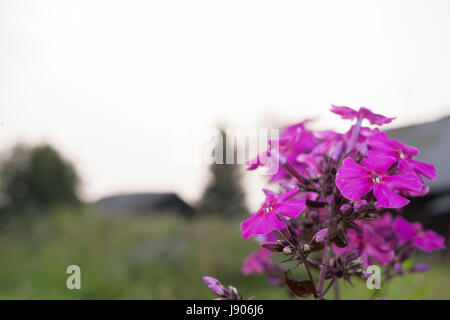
[328, 287]
[308, 270]
[337, 294]
[354, 136]
[323, 267]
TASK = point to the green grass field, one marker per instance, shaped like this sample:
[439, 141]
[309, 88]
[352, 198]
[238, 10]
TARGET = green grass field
[152, 257]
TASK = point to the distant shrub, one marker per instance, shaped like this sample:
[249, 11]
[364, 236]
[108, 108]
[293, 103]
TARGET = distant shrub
[37, 177]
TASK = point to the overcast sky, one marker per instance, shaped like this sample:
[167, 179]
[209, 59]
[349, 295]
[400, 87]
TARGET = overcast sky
[109, 82]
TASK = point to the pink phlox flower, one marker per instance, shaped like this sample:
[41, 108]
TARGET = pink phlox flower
[257, 262]
[294, 139]
[421, 193]
[364, 113]
[383, 227]
[267, 218]
[382, 144]
[354, 181]
[325, 143]
[426, 240]
[368, 244]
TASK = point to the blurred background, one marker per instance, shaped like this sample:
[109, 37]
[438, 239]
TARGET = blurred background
[97, 98]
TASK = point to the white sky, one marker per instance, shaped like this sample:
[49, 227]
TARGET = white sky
[108, 82]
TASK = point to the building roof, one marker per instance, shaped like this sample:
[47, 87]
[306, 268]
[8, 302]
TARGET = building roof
[433, 141]
[144, 203]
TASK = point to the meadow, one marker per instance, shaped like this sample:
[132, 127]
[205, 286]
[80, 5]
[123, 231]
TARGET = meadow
[154, 256]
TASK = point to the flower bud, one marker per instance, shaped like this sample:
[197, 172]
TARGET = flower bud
[214, 285]
[421, 268]
[287, 250]
[360, 205]
[346, 208]
[358, 262]
[273, 246]
[233, 290]
[320, 235]
[306, 248]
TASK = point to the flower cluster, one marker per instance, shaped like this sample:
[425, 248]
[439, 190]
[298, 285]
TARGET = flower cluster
[330, 208]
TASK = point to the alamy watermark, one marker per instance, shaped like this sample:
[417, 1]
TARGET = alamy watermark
[74, 280]
[226, 146]
[374, 280]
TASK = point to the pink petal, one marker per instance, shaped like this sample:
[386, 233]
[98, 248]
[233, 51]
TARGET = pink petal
[288, 195]
[370, 236]
[380, 163]
[344, 112]
[350, 170]
[254, 263]
[381, 256]
[340, 251]
[274, 222]
[377, 153]
[429, 241]
[291, 208]
[407, 150]
[380, 142]
[260, 224]
[406, 182]
[404, 230]
[388, 199]
[352, 180]
[423, 168]
[374, 118]
[354, 189]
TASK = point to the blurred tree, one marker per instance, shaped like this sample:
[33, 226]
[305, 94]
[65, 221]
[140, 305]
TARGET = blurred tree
[37, 177]
[224, 193]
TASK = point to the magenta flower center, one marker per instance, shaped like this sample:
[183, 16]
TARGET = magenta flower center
[375, 178]
[268, 208]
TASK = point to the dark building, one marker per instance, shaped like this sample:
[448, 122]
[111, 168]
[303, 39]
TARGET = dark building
[433, 141]
[142, 203]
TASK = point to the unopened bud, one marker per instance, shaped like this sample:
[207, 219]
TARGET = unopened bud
[421, 268]
[272, 246]
[306, 248]
[233, 290]
[234, 293]
[346, 208]
[320, 235]
[358, 262]
[287, 250]
[360, 205]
